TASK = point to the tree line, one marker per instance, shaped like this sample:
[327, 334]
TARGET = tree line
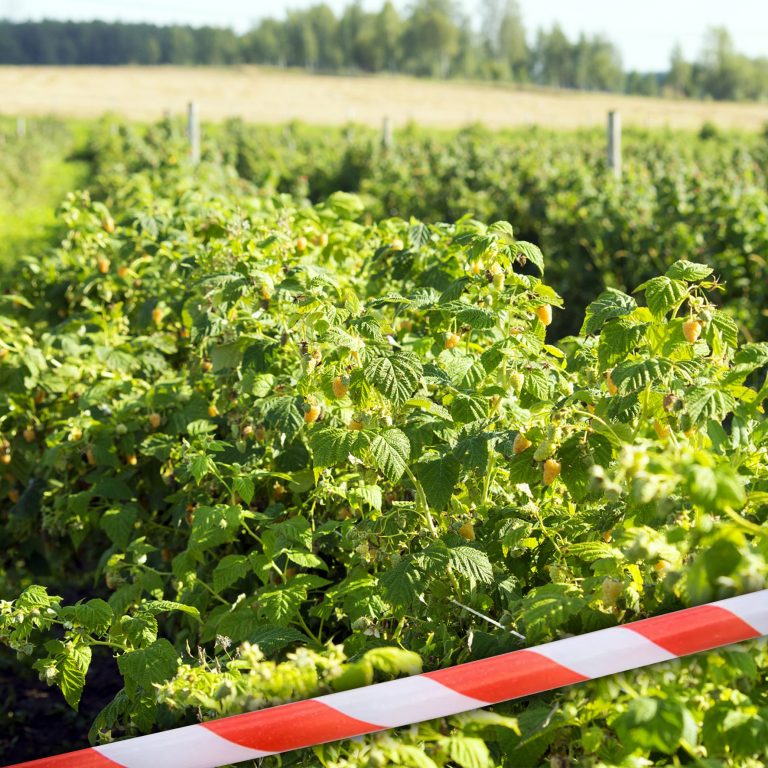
[433, 39]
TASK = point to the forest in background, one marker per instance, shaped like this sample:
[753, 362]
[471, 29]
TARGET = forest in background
[433, 39]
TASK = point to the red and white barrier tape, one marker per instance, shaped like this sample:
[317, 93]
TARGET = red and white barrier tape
[433, 694]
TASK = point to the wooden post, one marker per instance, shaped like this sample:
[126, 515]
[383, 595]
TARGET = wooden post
[386, 133]
[614, 143]
[21, 127]
[193, 132]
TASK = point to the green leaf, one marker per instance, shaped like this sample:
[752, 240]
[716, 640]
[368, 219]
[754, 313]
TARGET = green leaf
[632, 376]
[468, 751]
[366, 494]
[154, 664]
[703, 403]
[154, 607]
[475, 317]
[528, 252]
[201, 466]
[471, 563]
[279, 604]
[546, 609]
[655, 725]
[331, 445]
[689, 271]
[577, 456]
[418, 235]
[609, 304]
[395, 376]
[390, 451]
[141, 630]
[402, 584]
[283, 414]
[466, 408]
[72, 663]
[245, 488]
[662, 294]
[618, 339]
[394, 661]
[230, 569]
[95, 615]
[437, 478]
[214, 526]
[272, 639]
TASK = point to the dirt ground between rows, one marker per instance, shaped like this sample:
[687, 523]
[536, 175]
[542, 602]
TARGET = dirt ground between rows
[269, 96]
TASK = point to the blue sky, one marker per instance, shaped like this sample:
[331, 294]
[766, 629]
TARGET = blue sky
[645, 30]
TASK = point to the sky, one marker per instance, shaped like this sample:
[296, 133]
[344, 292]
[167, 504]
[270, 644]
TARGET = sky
[644, 30]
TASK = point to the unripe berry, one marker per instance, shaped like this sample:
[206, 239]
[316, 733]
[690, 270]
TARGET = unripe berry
[397, 244]
[517, 379]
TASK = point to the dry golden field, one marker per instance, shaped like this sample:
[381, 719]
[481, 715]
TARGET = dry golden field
[267, 96]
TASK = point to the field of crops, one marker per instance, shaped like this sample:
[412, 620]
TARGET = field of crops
[271, 424]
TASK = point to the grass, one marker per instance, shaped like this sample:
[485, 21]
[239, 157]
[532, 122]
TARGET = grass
[29, 221]
[277, 96]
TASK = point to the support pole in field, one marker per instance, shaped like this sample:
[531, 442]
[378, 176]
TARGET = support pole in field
[193, 132]
[21, 127]
[386, 134]
[614, 143]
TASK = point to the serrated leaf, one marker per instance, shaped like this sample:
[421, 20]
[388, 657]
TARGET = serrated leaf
[395, 376]
[655, 725]
[118, 524]
[632, 376]
[468, 751]
[95, 615]
[390, 451]
[524, 252]
[272, 639]
[155, 607]
[154, 664]
[438, 478]
[618, 340]
[688, 270]
[72, 664]
[331, 445]
[547, 608]
[230, 569]
[703, 403]
[283, 414]
[577, 456]
[662, 294]
[245, 488]
[471, 563]
[465, 408]
[609, 304]
[402, 584]
[475, 317]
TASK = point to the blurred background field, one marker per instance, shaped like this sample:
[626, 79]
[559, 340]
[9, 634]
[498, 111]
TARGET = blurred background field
[275, 96]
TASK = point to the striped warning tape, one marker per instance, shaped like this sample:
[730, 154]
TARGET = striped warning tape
[433, 694]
